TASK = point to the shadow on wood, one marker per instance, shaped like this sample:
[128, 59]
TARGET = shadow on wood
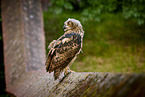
[24, 57]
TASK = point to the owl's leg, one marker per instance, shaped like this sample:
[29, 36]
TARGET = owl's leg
[70, 70]
[67, 70]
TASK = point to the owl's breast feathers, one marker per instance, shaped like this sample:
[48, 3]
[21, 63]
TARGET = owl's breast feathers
[63, 51]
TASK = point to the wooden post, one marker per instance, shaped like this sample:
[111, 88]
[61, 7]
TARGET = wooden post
[24, 42]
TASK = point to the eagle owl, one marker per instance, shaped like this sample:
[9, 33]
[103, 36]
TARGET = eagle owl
[65, 49]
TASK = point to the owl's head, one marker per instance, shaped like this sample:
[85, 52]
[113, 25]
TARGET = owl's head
[72, 24]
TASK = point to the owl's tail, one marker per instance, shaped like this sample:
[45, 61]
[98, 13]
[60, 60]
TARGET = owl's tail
[56, 74]
[48, 60]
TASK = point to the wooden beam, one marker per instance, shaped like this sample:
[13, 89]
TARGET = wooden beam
[89, 84]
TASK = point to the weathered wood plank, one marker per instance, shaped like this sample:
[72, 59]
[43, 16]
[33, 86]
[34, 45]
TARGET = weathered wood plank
[82, 84]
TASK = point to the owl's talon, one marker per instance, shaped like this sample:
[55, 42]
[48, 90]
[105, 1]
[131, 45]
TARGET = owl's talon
[71, 71]
[67, 71]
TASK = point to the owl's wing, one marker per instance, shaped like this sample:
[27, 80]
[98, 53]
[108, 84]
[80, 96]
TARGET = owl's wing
[62, 54]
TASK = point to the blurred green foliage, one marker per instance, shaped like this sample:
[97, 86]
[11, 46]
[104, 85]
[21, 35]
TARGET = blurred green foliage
[92, 9]
[135, 9]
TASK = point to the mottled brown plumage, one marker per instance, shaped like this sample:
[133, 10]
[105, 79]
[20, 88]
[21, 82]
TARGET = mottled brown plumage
[64, 50]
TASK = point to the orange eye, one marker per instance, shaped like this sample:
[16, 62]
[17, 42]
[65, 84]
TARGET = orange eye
[69, 23]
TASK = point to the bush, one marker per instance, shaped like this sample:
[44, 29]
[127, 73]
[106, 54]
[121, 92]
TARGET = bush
[93, 9]
[134, 9]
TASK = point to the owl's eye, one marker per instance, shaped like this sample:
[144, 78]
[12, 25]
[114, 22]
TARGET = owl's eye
[69, 23]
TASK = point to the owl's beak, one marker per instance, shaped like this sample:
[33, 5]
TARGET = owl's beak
[64, 27]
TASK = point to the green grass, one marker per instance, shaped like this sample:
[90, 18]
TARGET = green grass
[113, 45]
